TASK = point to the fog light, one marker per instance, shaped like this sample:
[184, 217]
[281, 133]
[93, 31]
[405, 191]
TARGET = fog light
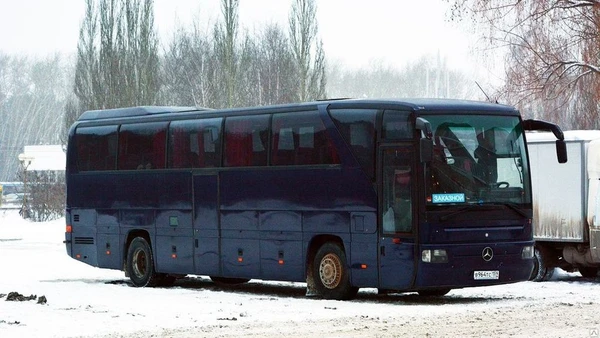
[426, 256]
[435, 256]
[527, 252]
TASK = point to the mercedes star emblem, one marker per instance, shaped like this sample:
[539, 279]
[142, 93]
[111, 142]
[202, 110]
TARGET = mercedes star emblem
[487, 254]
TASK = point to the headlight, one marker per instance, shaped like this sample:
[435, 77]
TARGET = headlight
[527, 252]
[434, 256]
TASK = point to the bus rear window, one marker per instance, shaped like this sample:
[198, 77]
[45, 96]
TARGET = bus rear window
[96, 148]
[142, 146]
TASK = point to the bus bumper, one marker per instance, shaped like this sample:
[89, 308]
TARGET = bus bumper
[472, 265]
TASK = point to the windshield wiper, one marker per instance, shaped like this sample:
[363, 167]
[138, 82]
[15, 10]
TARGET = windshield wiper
[457, 212]
[516, 209]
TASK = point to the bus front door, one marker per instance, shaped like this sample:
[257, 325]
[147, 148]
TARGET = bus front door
[397, 237]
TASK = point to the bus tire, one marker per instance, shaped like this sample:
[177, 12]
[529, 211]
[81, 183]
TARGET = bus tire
[331, 275]
[140, 263]
[588, 272]
[433, 292]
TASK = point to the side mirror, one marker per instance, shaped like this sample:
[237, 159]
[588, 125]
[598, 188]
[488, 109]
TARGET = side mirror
[561, 147]
[561, 151]
[426, 150]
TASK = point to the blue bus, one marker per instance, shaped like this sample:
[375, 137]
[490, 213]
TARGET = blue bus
[416, 195]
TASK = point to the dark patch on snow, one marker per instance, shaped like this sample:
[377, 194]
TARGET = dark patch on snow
[16, 322]
[120, 282]
[17, 297]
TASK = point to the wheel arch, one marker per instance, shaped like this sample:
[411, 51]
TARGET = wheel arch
[316, 242]
[130, 236]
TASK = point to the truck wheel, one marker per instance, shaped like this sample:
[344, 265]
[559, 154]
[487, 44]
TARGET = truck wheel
[589, 272]
[542, 270]
[330, 271]
[140, 263]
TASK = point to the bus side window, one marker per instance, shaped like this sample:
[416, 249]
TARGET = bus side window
[246, 140]
[397, 125]
[195, 144]
[397, 196]
[142, 146]
[301, 139]
[357, 127]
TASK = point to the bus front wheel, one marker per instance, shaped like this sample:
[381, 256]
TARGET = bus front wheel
[330, 273]
[140, 263]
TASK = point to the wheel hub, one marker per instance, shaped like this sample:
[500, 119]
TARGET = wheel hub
[139, 263]
[330, 271]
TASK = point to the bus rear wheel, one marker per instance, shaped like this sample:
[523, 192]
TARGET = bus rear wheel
[140, 263]
[331, 275]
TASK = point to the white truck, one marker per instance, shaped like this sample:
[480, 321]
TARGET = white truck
[566, 219]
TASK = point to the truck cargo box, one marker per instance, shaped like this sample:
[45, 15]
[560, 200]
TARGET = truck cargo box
[560, 191]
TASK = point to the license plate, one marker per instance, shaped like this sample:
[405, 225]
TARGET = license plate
[483, 275]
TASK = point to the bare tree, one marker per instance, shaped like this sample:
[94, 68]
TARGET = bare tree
[553, 58]
[308, 53]
[188, 70]
[232, 69]
[277, 67]
[429, 76]
[227, 51]
[117, 56]
[33, 94]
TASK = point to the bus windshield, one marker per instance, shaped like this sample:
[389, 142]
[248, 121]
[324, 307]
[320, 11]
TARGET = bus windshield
[477, 160]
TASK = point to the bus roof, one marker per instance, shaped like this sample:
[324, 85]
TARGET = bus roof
[133, 111]
[419, 104]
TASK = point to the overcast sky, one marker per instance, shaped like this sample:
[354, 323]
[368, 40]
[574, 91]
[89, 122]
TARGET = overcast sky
[356, 32]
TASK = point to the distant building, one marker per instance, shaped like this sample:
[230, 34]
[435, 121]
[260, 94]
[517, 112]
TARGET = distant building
[44, 158]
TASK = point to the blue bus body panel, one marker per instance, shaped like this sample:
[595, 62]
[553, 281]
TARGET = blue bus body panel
[364, 248]
[297, 189]
[269, 218]
[157, 204]
[206, 224]
[108, 240]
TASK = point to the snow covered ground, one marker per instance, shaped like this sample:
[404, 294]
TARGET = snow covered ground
[83, 301]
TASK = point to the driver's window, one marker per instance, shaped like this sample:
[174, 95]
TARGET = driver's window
[397, 200]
